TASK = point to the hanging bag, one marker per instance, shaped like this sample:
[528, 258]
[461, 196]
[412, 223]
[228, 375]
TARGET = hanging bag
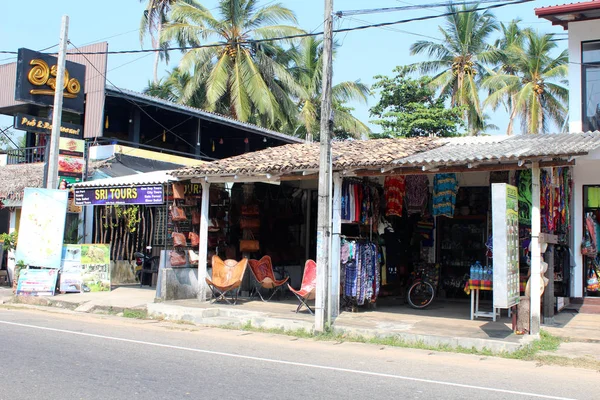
[249, 244]
[249, 223]
[587, 247]
[178, 191]
[592, 280]
[193, 236]
[179, 239]
[177, 258]
[195, 217]
[177, 214]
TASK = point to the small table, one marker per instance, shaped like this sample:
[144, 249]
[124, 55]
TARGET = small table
[474, 286]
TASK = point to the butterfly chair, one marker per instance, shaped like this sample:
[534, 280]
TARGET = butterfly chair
[309, 285]
[227, 277]
[264, 277]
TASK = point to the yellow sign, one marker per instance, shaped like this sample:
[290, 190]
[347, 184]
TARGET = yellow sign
[41, 74]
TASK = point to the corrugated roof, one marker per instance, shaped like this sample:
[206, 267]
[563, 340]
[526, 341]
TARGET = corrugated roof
[146, 178]
[504, 148]
[207, 115]
[290, 158]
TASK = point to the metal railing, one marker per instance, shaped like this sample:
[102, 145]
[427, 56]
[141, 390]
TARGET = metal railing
[26, 155]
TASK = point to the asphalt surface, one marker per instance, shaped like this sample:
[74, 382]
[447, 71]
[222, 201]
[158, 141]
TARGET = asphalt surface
[65, 355]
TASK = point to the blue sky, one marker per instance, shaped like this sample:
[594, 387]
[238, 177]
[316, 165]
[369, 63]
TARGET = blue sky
[35, 24]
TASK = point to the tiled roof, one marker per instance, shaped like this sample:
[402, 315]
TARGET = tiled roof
[207, 115]
[290, 158]
[505, 148]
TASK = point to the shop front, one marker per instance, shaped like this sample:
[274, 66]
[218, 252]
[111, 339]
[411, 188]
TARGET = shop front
[415, 206]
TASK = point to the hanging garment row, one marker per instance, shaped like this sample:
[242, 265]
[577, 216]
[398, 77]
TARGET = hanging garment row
[360, 202]
[360, 271]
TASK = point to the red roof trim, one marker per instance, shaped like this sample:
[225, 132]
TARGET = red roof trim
[567, 8]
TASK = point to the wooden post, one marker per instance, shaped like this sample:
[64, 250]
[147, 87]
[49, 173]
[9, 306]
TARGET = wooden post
[324, 204]
[536, 257]
[333, 306]
[203, 249]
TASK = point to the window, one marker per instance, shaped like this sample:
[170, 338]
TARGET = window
[590, 58]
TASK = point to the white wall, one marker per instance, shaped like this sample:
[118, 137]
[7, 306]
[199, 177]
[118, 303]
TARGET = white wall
[578, 32]
[585, 172]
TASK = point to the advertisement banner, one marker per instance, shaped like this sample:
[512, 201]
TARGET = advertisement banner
[85, 268]
[505, 231]
[30, 123]
[42, 227]
[36, 80]
[37, 282]
[70, 161]
[124, 195]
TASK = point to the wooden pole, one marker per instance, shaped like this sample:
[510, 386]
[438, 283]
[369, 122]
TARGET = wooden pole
[536, 257]
[324, 204]
[203, 249]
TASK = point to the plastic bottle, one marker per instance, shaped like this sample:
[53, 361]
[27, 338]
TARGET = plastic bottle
[479, 272]
[472, 272]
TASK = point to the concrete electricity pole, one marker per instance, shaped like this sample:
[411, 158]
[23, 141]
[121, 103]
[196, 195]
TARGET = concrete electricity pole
[52, 157]
[325, 176]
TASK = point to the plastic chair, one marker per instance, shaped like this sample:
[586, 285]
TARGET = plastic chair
[308, 288]
[226, 277]
[262, 270]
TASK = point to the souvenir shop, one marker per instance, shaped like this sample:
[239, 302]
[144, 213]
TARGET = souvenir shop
[440, 224]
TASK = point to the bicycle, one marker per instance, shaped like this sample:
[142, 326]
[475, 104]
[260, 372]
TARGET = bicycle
[421, 292]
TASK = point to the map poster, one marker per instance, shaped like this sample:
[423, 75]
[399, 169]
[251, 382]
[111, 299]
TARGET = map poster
[37, 282]
[42, 227]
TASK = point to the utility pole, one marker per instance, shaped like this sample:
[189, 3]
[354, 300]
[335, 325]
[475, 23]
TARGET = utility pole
[52, 157]
[325, 177]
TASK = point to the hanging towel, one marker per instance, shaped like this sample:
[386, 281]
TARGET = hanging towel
[445, 187]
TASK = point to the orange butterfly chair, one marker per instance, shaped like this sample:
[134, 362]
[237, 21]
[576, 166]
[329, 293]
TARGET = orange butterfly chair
[226, 277]
[265, 278]
[309, 285]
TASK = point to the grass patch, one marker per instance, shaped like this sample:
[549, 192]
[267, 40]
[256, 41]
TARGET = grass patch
[137, 314]
[546, 342]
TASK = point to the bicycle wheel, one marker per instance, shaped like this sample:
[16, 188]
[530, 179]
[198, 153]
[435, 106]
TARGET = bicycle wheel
[420, 294]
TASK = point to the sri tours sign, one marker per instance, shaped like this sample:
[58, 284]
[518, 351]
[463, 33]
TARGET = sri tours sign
[30, 123]
[119, 195]
[36, 81]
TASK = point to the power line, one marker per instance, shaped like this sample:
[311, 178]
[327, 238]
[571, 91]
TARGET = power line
[302, 35]
[409, 8]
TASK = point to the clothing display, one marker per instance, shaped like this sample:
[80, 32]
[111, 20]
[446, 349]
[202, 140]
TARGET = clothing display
[417, 193]
[394, 189]
[360, 202]
[445, 187]
[524, 191]
[360, 271]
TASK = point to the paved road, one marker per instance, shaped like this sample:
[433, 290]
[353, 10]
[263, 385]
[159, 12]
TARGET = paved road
[63, 355]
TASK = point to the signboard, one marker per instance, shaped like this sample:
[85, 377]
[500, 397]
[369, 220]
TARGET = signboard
[36, 81]
[30, 123]
[123, 195]
[70, 161]
[85, 268]
[505, 231]
[37, 282]
[42, 227]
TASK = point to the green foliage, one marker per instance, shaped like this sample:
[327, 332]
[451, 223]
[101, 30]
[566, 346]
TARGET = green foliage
[71, 232]
[9, 240]
[408, 107]
[128, 214]
[135, 313]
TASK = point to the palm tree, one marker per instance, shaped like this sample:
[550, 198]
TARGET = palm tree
[307, 71]
[536, 99]
[243, 75]
[512, 36]
[154, 19]
[459, 60]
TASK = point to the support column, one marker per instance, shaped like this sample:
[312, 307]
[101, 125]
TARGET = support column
[333, 308]
[308, 224]
[88, 221]
[203, 249]
[536, 258]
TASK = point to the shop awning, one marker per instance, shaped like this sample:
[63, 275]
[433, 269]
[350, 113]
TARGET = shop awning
[501, 151]
[145, 178]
